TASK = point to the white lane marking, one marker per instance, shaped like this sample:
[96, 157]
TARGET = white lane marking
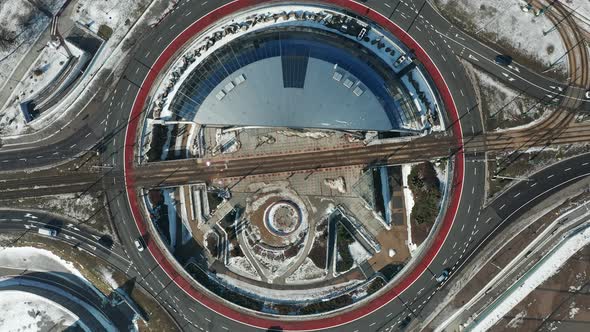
[501, 207]
[453, 73]
[469, 209]
[534, 184]
[462, 94]
[443, 57]
[516, 195]
[550, 176]
[387, 5]
[567, 169]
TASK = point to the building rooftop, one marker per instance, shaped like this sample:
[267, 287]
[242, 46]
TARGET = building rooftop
[296, 79]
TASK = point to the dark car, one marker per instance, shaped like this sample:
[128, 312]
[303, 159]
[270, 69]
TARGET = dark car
[503, 60]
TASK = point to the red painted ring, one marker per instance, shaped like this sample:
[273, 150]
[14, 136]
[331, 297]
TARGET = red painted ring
[314, 323]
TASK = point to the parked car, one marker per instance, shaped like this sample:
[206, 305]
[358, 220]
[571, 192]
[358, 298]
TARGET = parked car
[503, 60]
[399, 60]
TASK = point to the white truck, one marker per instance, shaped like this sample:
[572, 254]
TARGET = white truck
[47, 231]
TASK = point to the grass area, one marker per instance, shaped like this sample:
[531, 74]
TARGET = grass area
[93, 269]
[318, 251]
[335, 303]
[343, 240]
[375, 285]
[427, 195]
[159, 137]
[504, 107]
[105, 32]
[391, 270]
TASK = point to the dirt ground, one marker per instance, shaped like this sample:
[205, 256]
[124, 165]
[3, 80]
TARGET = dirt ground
[561, 303]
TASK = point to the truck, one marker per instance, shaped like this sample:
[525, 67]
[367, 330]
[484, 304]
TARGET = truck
[47, 231]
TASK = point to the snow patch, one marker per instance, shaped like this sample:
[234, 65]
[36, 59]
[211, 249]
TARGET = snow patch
[337, 184]
[23, 311]
[358, 252]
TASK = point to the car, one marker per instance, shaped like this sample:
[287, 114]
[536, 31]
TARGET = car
[504, 60]
[399, 60]
[586, 95]
[47, 231]
[444, 275]
[139, 244]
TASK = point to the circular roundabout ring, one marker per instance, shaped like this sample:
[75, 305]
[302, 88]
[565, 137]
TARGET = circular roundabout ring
[313, 322]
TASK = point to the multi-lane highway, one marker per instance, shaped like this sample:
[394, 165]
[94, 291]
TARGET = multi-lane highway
[471, 225]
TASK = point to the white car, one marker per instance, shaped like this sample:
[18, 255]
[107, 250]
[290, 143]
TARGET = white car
[138, 245]
[587, 95]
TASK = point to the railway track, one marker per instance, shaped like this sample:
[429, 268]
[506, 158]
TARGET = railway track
[557, 130]
[577, 52]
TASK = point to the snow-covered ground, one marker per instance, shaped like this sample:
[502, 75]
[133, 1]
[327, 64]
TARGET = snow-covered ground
[242, 266]
[22, 311]
[441, 169]
[112, 13]
[507, 104]
[504, 21]
[35, 259]
[287, 295]
[23, 22]
[409, 203]
[541, 272]
[306, 272]
[48, 65]
[358, 252]
[338, 184]
[227, 142]
[69, 205]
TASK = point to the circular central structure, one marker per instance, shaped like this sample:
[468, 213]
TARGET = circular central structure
[282, 218]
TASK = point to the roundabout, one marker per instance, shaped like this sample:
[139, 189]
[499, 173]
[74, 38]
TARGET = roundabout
[329, 165]
[358, 311]
[418, 266]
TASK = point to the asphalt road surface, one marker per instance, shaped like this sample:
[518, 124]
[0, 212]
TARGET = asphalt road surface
[472, 223]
